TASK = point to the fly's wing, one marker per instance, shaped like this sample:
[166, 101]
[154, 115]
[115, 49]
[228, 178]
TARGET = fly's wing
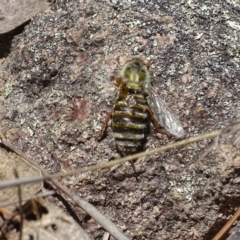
[164, 115]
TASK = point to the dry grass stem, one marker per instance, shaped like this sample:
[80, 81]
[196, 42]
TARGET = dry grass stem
[228, 225]
[90, 209]
[20, 205]
[10, 183]
[40, 195]
[87, 207]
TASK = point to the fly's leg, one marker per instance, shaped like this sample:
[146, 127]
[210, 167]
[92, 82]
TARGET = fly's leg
[134, 169]
[118, 82]
[155, 123]
[104, 127]
[148, 64]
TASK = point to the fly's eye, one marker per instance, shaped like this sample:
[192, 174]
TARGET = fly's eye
[142, 75]
[127, 72]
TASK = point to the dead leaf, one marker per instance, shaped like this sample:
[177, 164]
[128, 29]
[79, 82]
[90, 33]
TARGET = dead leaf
[41, 221]
[13, 13]
[9, 161]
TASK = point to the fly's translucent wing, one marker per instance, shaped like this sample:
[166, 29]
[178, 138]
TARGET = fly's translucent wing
[164, 115]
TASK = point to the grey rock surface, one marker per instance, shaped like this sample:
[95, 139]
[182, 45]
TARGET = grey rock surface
[57, 88]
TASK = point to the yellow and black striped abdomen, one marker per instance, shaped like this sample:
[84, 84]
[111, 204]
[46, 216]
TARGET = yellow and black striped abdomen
[130, 123]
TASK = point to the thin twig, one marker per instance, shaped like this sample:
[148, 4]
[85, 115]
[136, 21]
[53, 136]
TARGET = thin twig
[20, 204]
[20, 181]
[228, 225]
[90, 209]
[43, 194]
[10, 183]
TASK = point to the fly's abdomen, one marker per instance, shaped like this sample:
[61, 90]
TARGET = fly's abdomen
[130, 123]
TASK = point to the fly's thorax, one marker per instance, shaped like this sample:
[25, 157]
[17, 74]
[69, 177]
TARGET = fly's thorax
[131, 86]
[134, 88]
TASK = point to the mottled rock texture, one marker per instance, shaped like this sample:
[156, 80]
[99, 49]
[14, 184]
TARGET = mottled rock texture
[57, 87]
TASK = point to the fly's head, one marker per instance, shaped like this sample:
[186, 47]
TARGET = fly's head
[135, 76]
